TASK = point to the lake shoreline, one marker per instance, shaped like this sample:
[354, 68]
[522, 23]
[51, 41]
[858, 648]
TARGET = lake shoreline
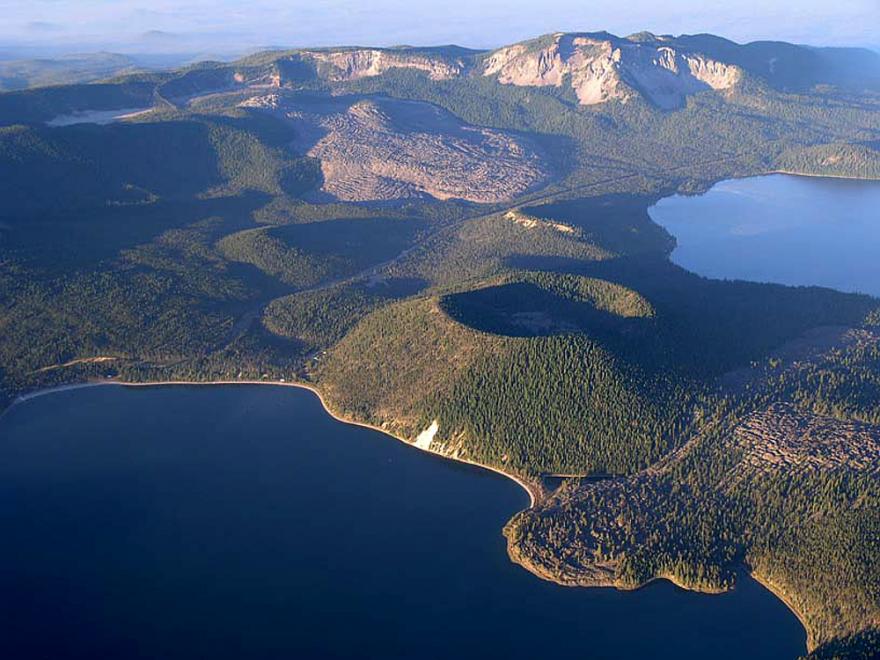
[307, 514]
[535, 496]
[533, 491]
[814, 176]
[785, 600]
[767, 229]
[541, 573]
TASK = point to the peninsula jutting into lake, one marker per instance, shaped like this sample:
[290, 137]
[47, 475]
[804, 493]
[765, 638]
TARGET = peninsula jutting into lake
[251, 520]
[636, 275]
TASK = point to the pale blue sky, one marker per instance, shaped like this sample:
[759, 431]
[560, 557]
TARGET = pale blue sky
[220, 25]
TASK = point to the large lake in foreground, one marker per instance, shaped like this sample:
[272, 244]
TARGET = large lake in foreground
[782, 229]
[243, 522]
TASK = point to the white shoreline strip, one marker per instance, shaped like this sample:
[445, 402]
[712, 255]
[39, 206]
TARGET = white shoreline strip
[311, 388]
[813, 175]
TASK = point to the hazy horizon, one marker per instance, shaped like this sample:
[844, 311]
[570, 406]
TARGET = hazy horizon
[227, 27]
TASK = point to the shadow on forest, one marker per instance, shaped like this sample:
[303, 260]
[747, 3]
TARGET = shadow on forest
[699, 321]
[523, 309]
[85, 238]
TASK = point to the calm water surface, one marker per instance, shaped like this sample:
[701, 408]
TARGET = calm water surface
[243, 522]
[782, 229]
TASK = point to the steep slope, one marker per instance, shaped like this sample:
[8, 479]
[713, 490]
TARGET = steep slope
[337, 65]
[600, 67]
[665, 70]
[545, 401]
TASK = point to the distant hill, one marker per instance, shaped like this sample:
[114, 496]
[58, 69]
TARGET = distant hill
[26, 73]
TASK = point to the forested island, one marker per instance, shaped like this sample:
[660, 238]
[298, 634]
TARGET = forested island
[454, 246]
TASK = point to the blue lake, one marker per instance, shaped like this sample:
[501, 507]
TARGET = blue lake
[244, 522]
[782, 229]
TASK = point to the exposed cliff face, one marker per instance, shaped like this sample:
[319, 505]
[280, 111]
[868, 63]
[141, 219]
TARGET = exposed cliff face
[343, 65]
[602, 68]
[598, 67]
[591, 64]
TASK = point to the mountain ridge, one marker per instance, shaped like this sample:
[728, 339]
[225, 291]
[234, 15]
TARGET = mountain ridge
[581, 68]
[600, 66]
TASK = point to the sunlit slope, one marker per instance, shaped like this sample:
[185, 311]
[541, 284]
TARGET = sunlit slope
[549, 400]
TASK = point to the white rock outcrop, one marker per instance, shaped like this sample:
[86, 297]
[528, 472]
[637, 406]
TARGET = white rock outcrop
[426, 437]
[602, 69]
[599, 67]
[344, 65]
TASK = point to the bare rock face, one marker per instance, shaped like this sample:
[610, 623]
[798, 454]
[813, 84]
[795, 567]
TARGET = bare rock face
[345, 65]
[386, 149]
[590, 64]
[601, 69]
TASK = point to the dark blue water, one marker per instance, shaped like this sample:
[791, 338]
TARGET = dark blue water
[782, 229]
[243, 522]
